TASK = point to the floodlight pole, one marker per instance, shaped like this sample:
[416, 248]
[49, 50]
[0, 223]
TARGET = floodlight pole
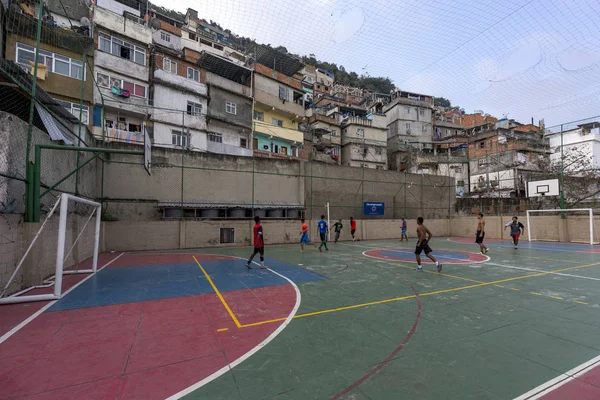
[562, 174]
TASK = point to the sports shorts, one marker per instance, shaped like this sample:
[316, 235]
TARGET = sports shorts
[423, 247]
[479, 237]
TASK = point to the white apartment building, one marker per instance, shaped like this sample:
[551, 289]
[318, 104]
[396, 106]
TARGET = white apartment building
[583, 141]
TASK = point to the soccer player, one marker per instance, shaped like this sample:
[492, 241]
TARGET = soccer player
[516, 230]
[323, 229]
[424, 236]
[352, 228]
[304, 239]
[259, 244]
[404, 227]
[338, 229]
[480, 235]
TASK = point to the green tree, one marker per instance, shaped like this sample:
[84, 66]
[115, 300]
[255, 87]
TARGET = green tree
[442, 102]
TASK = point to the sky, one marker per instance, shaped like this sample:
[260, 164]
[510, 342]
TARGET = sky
[521, 59]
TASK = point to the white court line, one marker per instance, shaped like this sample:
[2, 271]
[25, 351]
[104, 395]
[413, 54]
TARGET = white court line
[238, 361]
[560, 380]
[502, 245]
[429, 261]
[41, 310]
[546, 272]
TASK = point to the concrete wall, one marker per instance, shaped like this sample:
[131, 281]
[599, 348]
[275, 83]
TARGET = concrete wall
[127, 69]
[217, 107]
[173, 43]
[163, 136]
[117, 23]
[167, 98]
[231, 139]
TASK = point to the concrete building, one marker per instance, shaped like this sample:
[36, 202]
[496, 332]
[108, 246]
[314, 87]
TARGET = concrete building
[504, 156]
[363, 137]
[409, 120]
[122, 72]
[322, 137]
[278, 105]
[179, 98]
[229, 105]
[63, 56]
[580, 143]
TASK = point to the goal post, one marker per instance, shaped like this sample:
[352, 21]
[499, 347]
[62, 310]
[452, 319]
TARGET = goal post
[62, 253]
[588, 212]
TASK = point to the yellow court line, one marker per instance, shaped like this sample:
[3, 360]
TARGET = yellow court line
[580, 302]
[222, 329]
[421, 295]
[556, 297]
[231, 314]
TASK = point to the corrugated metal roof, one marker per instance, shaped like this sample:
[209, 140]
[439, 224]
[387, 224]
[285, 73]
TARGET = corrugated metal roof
[262, 206]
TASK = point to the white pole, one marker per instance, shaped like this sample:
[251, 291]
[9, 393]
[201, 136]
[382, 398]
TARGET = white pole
[591, 227]
[60, 247]
[329, 231]
[528, 228]
[97, 239]
[24, 299]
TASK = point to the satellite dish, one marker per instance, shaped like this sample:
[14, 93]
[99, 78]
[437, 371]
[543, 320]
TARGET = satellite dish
[155, 23]
[84, 21]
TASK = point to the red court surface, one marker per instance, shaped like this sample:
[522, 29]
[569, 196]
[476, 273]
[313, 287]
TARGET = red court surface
[149, 349]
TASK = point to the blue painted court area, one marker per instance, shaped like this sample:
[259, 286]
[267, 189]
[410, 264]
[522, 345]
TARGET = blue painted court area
[162, 281]
[523, 244]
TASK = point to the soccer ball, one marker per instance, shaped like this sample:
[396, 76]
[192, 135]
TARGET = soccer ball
[358, 239]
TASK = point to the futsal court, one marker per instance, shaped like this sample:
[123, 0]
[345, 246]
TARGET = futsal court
[357, 322]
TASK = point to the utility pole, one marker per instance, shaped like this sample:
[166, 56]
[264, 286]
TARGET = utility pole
[562, 173]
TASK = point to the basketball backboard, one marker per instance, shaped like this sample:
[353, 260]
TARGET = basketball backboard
[547, 187]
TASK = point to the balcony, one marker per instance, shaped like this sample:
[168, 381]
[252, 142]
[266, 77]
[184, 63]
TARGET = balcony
[223, 148]
[290, 135]
[376, 121]
[123, 136]
[125, 26]
[288, 107]
[442, 158]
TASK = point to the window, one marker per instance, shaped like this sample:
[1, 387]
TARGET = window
[423, 128]
[104, 80]
[284, 150]
[460, 183]
[165, 36]
[259, 115]
[481, 162]
[178, 139]
[169, 66]
[283, 93]
[216, 46]
[230, 108]
[119, 48]
[335, 151]
[56, 63]
[408, 126]
[192, 36]
[458, 170]
[227, 235]
[421, 112]
[407, 110]
[277, 122]
[244, 143]
[194, 108]
[73, 108]
[215, 137]
[193, 74]
[482, 145]
[333, 132]
[378, 151]
[360, 132]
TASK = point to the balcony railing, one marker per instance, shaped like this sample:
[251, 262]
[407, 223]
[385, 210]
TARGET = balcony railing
[123, 136]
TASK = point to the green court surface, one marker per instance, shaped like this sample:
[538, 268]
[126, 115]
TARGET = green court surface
[378, 329]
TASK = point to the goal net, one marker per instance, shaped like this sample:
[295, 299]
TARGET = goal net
[569, 225]
[64, 245]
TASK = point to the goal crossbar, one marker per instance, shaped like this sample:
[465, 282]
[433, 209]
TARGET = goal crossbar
[560, 210]
[60, 252]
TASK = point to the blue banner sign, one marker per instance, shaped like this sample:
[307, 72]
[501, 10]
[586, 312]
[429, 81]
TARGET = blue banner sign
[374, 208]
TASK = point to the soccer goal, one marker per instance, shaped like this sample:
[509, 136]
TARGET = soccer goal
[580, 225]
[76, 240]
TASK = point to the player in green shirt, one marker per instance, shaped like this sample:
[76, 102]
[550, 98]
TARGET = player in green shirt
[338, 229]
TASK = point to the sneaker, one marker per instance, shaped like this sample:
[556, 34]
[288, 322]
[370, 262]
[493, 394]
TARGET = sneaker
[439, 267]
[248, 265]
[419, 268]
[515, 247]
[320, 249]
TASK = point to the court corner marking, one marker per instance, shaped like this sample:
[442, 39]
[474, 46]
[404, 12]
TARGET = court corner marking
[17, 328]
[254, 350]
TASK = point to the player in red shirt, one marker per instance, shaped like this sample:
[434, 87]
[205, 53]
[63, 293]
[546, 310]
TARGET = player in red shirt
[259, 244]
[352, 227]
